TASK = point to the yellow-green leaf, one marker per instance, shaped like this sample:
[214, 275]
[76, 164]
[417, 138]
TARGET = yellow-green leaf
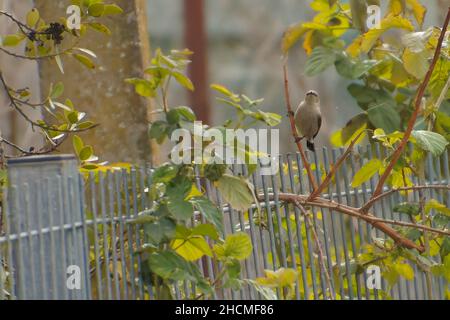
[237, 246]
[366, 172]
[283, 277]
[86, 61]
[292, 35]
[12, 40]
[436, 205]
[192, 248]
[364, 43]
[236, 191]
[33, 17]
[112, 9]
[405, 270]
[416, 63]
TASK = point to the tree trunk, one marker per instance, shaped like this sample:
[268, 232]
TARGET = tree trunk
[102, 92]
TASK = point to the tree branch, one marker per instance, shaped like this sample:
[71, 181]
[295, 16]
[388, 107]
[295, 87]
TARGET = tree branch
[334, 169]
[33, 123]
[378, 223]
[305, 161]
[370, 203]
[412, 120]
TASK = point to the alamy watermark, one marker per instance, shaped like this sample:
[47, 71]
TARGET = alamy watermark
[373, 281]
[73, 281]
[74, 17]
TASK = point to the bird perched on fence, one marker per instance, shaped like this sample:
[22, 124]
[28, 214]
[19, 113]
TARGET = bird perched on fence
[308, 118]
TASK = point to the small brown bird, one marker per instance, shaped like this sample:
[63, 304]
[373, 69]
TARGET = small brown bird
[308, 118]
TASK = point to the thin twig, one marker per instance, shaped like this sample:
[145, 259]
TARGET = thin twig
[377, 223]
[370, 203]
[305, 161]
[321, 259]
[334, 169]
[32, 122]
[412, 120]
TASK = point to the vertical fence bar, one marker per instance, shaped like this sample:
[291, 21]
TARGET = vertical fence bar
[288, 225]
[300, 167]
[86, 244]
[97, 266]
[41, 243]
[137, 234]
[131, 240]
[343, 232]
[351, 222]
[112, 222]
[105, 235]
[123, 273]
[334, 229]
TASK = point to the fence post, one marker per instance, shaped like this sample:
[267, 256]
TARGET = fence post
[45, 220]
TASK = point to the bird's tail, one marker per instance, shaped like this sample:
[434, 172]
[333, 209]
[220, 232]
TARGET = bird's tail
[310, 146]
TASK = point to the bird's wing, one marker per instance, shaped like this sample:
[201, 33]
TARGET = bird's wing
[319, 124]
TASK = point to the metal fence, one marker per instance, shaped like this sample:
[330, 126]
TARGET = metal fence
[56, 218]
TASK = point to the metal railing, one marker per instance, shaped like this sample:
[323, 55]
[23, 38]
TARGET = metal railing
[56, 218]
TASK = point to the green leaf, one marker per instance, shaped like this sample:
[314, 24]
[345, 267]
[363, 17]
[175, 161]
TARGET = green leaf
[283, 277]
[142, 87]
[11, 40]
[384, 116]
[186, 113]
[411, 209]
[405, 270]
[416, 63]
[353, 69]
[173, 117]
[78, 144]
[223, 90]
[207, 230]
[57, 90]
[33, 18]
[236, 246]
[100, 27]
[165, 173]
[436, 205]
[366, 172]
[320, 59]
[161, 230]
[209, 210]
[190, 243]
[169, 265]
[112, 9]
[158, 130]
[177, 204]
[96, 9]
[85, 60]
[353, 127]
[85, 153]
[235, 191]
[430, 141]
[183, 80]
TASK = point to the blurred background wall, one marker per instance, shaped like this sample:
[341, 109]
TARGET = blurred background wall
[237, 43]
[19, 74]
[243, 52]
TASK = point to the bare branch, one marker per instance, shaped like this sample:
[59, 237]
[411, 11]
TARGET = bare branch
[380, 224]
[33, 123]
[371, 202]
